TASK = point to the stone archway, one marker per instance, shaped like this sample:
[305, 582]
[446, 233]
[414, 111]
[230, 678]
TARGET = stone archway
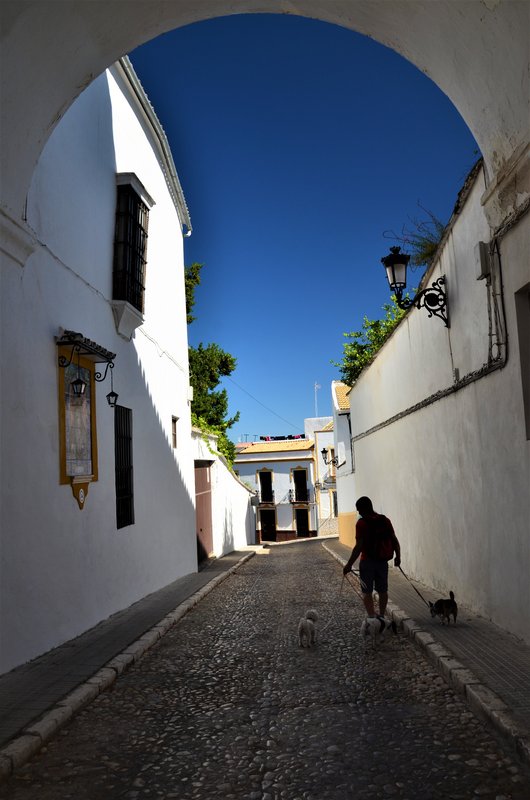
[476, 51]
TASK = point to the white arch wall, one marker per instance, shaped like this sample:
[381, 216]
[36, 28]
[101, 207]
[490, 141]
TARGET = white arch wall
[476, 51]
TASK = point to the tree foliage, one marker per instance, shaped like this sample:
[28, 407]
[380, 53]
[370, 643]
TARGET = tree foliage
[361, 346]
[208, 364]
[192, 279]
[224, 445]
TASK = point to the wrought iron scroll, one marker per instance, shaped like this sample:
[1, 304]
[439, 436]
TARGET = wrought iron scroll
[81, 346]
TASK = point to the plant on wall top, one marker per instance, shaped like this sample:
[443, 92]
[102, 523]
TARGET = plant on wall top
[361, 346]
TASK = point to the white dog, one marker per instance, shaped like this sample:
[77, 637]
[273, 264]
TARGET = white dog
[307, 632]
[375, 630]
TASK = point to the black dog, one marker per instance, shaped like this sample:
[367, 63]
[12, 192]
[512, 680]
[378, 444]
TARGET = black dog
[444, 609]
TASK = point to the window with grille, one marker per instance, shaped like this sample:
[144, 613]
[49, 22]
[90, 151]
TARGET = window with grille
[130, 247]
[123, 456]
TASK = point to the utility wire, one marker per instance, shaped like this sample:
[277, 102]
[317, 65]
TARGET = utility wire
[296, 427]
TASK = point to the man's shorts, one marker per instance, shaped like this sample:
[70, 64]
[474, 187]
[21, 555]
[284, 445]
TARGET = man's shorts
[372, 571]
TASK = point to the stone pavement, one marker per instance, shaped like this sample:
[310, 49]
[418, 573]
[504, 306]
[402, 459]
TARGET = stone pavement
[51, 682]
[485, 663]
[227, 705]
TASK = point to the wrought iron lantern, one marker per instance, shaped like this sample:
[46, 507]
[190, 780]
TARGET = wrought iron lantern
[329, 460]
[78, 345]
[434, 299]
[78, 387]
[112, 397]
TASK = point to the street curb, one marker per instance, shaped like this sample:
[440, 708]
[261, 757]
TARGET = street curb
[38, 733]
[482, 701]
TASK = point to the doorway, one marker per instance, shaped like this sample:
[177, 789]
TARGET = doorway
[203, 510]
[302, 522]
[267, 518]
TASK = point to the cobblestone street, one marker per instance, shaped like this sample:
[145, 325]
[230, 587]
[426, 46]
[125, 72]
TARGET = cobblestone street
[229, 706]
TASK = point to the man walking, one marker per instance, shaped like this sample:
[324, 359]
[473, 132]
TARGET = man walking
[376, 543]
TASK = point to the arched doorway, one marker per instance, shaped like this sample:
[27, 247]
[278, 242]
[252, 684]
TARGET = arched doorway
[463, 53]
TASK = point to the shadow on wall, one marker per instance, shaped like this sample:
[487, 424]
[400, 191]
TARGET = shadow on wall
[228, 531]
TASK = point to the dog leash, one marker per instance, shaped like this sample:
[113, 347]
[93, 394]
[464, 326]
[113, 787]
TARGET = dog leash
[416, 590]
[340, 592]
[353, 586]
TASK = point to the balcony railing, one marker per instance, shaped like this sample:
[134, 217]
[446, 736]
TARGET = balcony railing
[299, 496]
[266, 497]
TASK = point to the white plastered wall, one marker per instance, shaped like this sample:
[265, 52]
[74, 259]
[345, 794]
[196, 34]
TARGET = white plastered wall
[454, 476]
[63, 569]
[233, 516]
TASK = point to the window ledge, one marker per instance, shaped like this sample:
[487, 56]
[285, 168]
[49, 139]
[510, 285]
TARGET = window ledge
[126, 317]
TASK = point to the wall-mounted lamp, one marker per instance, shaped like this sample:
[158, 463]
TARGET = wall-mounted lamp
[331, 460]
[112, 397]
[433, 299]
[79, 385]
[81, 346]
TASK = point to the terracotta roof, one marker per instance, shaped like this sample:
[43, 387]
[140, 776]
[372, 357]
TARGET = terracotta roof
[342, 392]
[328, 427]
[277, 447]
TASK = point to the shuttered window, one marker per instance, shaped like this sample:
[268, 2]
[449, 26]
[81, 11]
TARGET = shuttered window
[123, 454]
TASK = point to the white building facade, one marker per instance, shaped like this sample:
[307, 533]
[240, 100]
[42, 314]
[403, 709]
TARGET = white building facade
[98, 503]
[320, 429]
[282, 474]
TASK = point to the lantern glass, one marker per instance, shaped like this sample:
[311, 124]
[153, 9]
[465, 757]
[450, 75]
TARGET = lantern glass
[397, 275]
[78, 387]
[112, 399]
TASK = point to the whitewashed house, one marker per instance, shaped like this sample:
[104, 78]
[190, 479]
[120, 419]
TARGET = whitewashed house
[320, 429]
[440, 422]
[294, 482]
[282, 473]
[98, 503]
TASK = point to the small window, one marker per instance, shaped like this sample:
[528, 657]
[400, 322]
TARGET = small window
[130, 247]
[123, 459]
[174, 421]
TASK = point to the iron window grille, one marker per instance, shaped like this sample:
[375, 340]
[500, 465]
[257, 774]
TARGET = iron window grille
[123, 454]
[130, 247]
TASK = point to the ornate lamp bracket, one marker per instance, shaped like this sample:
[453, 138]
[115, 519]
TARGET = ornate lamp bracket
[433, 299]
[81, 346]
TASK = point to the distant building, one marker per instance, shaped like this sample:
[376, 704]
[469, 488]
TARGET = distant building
[294, 486]
[320, 429]
[347, 516]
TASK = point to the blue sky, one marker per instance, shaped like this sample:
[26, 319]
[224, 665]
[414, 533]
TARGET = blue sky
[298, 144]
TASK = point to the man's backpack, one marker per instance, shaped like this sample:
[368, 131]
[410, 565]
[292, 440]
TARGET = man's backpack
[378, 542]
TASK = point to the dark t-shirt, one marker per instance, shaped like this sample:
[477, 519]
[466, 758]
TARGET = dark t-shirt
[377, 536]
